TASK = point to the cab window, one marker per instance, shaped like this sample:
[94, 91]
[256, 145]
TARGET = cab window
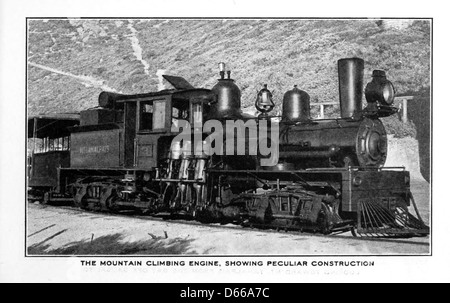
[180, 111]
[159, 119]
[43, 145]
[152, 115]
[146, 116]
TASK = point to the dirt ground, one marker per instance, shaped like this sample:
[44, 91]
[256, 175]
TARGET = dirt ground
[56, 231]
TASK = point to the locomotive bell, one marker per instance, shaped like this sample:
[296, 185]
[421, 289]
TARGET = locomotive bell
[380, 89]
[264, 101]
[228, 97]
[296, 106]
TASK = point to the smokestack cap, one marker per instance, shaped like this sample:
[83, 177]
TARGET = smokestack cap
[379, 73]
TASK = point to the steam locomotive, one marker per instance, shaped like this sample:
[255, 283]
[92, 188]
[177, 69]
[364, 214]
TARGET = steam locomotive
[322, 175]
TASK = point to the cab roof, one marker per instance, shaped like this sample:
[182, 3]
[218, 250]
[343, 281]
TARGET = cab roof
[51, 125]
[175, 93]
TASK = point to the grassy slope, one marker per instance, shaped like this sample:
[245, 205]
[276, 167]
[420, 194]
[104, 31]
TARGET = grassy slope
[280, 53]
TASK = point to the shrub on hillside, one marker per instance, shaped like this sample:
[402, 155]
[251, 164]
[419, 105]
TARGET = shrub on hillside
[281, 53]
[398, 128]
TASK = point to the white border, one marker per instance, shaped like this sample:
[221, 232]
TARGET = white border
[15, 268]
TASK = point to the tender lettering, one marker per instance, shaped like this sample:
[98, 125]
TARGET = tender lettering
[94, 149]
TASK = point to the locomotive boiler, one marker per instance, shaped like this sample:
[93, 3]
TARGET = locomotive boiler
[328, 174]
[358, 138]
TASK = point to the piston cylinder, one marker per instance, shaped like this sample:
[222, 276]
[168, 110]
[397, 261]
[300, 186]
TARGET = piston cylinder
[351, 77]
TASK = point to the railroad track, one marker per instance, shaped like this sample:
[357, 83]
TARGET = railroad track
[419, 241]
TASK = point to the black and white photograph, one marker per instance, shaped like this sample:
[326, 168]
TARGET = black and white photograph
[272, 147]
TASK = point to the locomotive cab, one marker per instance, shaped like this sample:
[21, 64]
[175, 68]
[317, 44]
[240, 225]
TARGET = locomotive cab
[158, 118]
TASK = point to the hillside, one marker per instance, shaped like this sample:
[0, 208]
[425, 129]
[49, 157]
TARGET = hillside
[71, 61]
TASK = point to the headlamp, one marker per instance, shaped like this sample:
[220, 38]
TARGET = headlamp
[380, 89]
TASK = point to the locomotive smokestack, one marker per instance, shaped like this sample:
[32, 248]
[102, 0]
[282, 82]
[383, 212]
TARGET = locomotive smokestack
[351, 77]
